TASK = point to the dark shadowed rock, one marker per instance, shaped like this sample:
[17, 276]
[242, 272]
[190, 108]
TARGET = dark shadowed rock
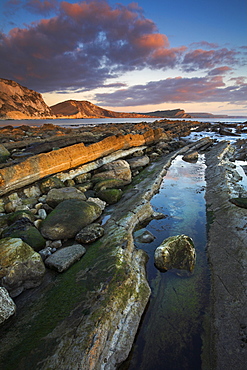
[64, 258]
[68, 218]
[90, 233]
[240, 202]
[26, 231]
[50, 183]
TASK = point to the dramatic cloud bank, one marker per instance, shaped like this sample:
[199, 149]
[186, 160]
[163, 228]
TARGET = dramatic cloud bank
[89, 44]
[177, 90]
[83, 45]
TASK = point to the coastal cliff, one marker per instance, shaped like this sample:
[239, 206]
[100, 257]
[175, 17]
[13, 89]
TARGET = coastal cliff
[19, 102]
[86, 109]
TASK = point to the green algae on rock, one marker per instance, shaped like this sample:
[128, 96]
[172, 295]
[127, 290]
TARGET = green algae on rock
[240, 202]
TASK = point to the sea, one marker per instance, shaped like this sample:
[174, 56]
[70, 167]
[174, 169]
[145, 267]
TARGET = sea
[91, 122]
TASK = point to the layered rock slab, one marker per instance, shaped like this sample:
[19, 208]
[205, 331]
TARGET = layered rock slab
[228, 262]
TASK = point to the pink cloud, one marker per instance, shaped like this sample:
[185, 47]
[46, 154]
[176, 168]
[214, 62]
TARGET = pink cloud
[197, 89]
[206, 59]
[219, 71]
[83, 45]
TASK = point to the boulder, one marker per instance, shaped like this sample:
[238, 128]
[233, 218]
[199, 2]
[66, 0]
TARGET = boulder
[138, 162]
[26, 231]
[110, 196]
[84, 177]
[50, 183]
[68, 218]
[65, 257]
[21, 267]
[144, 236]
[109, 184]
[90, 233]
[98, 201]
[176, 252]
[56, 196]
[119, 169]
[191, 157]
[7, 305]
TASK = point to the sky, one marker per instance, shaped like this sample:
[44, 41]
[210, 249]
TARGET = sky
[128, 56]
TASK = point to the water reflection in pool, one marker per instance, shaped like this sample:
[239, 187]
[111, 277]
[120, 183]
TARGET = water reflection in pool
[170, 336]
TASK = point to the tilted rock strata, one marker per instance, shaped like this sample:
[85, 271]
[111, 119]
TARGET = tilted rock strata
[39, 166]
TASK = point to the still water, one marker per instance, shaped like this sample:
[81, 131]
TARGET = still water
[170, 335]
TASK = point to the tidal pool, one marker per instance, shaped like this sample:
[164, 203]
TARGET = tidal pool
[170, 336]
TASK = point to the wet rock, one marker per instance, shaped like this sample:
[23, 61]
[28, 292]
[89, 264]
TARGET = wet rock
[80, 179]
[176, 252]
[21, 267]
[90, 233]
[191, 157]
[110, 196]
[68, 218]
[15, 216]
[119, 169]
[50, 183]
[64, 258]
[109, 184]
[98, 201]
[7, 305]
[144, 236]
[56, 196]
[26, 231]
[240, 202]
[84, 186]
[138, 162]
[4, 154]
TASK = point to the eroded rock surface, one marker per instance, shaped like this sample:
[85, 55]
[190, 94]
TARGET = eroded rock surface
[7, 305]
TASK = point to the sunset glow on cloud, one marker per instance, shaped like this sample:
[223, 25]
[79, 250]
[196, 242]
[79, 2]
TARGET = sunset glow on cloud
[88, 46]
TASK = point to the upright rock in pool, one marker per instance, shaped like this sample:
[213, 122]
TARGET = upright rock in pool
[176, 252]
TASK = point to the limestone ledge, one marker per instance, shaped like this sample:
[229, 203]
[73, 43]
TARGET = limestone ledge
[44, 164]
[227, 255]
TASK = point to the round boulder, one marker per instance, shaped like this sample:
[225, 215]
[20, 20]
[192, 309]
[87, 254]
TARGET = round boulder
[176, 252]
[68, 218]
[56, 196]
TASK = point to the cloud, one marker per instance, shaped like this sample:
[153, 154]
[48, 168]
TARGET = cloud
[42, 7]
[206, 59]
[204, 44]
[83, 45]
[197, 89]
[219, 71]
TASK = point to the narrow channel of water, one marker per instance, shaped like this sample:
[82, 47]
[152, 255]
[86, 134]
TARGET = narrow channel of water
[170, 335]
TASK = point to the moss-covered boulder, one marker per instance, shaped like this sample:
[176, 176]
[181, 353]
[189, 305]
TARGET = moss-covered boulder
[4, 154]
[17, 215]
[110, 196]
[109, 184]
[21, 267]
[26, 231]
[176, 252]
[50, 183]
[119, 169]
[68, 218]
